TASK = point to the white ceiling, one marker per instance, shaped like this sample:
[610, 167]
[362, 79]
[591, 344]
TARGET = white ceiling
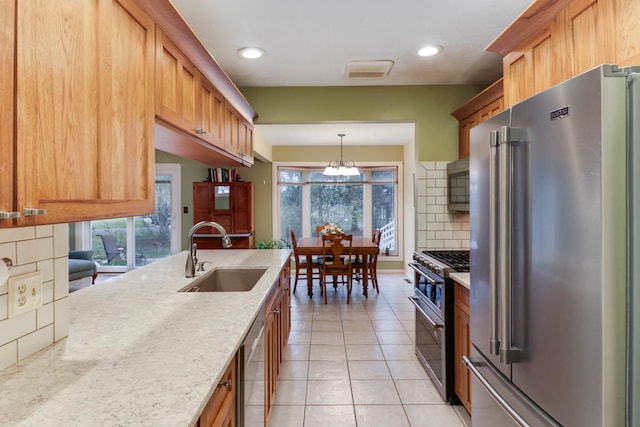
[308, 43]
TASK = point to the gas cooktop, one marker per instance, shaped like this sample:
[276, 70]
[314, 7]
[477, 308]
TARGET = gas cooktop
[458, 260]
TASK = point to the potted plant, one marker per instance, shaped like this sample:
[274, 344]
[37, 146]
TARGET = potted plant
[272, 244]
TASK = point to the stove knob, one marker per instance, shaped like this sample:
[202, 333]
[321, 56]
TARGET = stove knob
[430, 266]
[437, 269]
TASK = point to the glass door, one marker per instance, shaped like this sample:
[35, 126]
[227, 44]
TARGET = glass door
[158, 235]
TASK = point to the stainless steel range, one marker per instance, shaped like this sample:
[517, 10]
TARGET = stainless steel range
[433, 298]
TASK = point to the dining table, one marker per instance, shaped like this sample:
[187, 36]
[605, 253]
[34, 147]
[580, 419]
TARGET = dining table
[360, 247]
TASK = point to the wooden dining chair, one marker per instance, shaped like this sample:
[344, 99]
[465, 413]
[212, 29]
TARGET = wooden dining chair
[372, 264]
[338, 266]
[301, 265]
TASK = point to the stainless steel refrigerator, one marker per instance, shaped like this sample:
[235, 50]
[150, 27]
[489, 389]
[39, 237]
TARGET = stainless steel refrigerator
[552, 250]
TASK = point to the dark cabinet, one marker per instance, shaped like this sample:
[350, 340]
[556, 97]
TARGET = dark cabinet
[230, 204]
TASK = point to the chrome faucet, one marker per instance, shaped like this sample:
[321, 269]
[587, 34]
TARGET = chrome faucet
[192, 260]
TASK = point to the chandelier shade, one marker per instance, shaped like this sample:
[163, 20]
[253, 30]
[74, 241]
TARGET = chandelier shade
[341, 167]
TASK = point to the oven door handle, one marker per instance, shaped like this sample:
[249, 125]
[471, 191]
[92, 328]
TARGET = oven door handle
[414, 301]
[420, 272]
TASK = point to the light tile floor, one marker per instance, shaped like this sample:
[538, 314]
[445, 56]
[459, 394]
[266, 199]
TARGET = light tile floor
[354, 365]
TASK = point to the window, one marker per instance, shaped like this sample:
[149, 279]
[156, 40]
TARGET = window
[152, 236]
[357, 204]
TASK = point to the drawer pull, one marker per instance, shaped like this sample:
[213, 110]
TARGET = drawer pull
[9, 215]
[32, 211]
[225, 383]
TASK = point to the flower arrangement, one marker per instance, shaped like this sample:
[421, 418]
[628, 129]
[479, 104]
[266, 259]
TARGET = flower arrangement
[331, 228]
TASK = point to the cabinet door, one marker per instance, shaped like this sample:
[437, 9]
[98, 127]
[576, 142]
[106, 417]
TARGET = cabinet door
[202, 204]
[176, 86]
[7, 51]
[246, 142]
[462, 344]
[589, 35]
[231, 130]
[220, 410]
[242, 199]
[84, 119]
[491, 110]
[534, 68]
[464, 136]
[210, 113]
[270, 358]
[285, 283]
[626, 18]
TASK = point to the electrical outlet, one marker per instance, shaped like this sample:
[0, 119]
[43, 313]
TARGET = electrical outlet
[24, 293]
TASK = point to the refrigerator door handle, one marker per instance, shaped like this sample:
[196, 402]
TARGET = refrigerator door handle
[471, 365]
[507, 137]
[494, 143]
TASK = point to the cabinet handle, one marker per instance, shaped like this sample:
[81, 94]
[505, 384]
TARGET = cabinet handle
[200, 131]
[276, 310]
[9, 215]
[32, 211]
[225, 383]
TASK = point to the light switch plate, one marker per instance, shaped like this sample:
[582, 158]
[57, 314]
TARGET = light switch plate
[24, 293]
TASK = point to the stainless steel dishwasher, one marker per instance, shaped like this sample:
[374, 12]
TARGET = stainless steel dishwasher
[250, 402]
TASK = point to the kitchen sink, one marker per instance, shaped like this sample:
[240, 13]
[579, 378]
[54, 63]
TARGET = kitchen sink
[226, 280]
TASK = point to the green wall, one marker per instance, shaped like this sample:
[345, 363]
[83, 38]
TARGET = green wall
[429, 107]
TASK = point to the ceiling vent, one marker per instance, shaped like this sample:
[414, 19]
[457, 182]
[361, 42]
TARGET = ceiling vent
[367, 69]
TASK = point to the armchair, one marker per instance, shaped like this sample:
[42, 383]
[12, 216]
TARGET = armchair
[82, 265]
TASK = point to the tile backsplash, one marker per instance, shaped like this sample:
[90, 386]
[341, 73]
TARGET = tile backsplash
[46, 249]
[437, 228]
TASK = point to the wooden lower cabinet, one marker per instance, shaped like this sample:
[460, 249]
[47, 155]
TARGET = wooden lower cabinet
[220, 411]
[462, 344]
[221, 408]
[277, 326]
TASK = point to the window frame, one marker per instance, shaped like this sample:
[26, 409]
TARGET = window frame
[367, 200]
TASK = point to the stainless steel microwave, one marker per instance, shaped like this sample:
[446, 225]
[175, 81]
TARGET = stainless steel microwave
[458, 185]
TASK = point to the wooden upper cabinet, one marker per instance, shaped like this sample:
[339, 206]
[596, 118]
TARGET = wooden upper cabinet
[554, 40]
[84, 110]
[7, 52]
[177, 86]
[533, 68]
[210, 113]
[187, 101]
[626, 34]
[589, 34]
[484, 105]
[246, 141]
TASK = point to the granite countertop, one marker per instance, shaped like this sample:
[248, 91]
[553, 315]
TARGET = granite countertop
[463, 278]
[139, 352]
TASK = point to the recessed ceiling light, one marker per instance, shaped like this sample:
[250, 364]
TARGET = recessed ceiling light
[250, 52]
[430, 50]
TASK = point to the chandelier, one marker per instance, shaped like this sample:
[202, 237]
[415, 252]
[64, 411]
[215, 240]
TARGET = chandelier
[341, 167]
